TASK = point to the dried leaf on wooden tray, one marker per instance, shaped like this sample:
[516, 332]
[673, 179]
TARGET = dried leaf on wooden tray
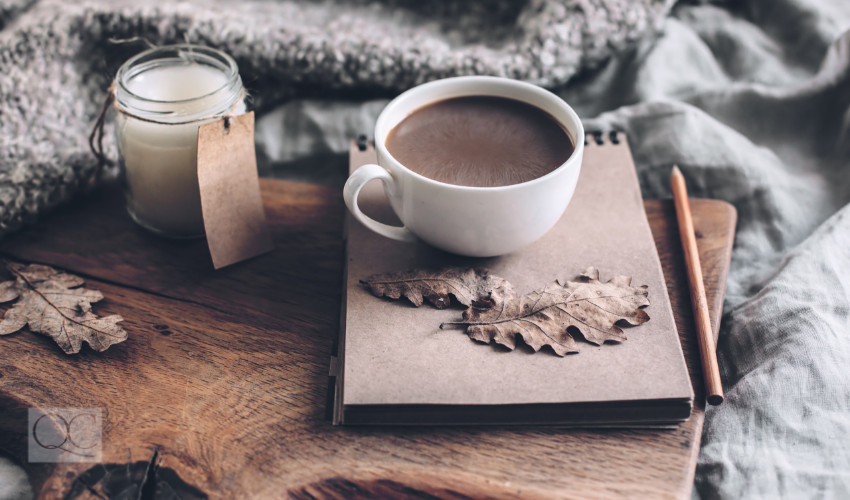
[465, 285]
[54, 303]
[548, 317]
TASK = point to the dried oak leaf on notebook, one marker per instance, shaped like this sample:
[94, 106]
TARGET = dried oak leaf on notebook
[547, 317]
[551, 316]
[465, 285]
[54, 303]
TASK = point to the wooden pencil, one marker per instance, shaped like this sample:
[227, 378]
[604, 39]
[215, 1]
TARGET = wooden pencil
[705, 337]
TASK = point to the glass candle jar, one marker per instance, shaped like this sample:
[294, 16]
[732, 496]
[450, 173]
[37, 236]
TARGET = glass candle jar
[162, 96]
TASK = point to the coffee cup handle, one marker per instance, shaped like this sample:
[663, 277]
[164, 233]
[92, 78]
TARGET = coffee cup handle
[352, 188]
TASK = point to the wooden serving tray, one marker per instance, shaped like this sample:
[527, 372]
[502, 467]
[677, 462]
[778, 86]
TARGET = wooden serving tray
[224, 376]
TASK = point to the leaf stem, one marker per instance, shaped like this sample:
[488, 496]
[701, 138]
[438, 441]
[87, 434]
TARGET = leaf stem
[459, 323]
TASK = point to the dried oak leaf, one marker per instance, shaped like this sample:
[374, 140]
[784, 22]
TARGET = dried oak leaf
[467, 286]
[546, 317]
[53, 304]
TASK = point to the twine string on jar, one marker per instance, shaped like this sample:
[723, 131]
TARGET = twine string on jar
[97, 132]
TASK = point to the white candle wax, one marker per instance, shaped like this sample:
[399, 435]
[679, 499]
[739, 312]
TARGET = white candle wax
[160, 158]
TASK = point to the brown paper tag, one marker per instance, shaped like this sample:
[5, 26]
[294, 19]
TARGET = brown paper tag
[230, 191]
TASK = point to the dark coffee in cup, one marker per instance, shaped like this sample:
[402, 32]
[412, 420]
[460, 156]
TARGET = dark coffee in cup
[481, 141]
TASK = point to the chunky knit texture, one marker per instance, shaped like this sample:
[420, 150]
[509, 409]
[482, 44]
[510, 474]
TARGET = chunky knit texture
[56, 60]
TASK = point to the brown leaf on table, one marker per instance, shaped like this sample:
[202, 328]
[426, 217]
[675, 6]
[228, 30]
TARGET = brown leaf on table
[547, 317]
[53, 303]
[467, 286]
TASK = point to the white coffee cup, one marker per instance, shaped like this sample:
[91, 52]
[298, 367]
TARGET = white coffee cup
[472, 221]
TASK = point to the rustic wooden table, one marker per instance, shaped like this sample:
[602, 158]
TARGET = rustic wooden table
[224, 376]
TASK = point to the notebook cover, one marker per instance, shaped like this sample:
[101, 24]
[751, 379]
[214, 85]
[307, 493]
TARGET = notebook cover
[391, 353]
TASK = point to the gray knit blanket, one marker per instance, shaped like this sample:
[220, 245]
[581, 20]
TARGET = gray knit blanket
[58, 57]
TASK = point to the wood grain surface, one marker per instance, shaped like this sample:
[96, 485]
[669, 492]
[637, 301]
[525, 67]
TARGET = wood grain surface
[223, 381]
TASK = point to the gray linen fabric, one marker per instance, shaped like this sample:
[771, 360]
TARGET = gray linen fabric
[764, 123]
[752, 100]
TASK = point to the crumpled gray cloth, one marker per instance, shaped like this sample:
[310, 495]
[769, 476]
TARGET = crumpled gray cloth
[759, 115]
[56, 61]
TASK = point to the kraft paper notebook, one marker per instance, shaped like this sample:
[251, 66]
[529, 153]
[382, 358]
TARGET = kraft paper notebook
[395, 366]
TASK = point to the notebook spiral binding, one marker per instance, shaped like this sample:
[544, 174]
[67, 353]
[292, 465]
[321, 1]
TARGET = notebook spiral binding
[598, 136]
